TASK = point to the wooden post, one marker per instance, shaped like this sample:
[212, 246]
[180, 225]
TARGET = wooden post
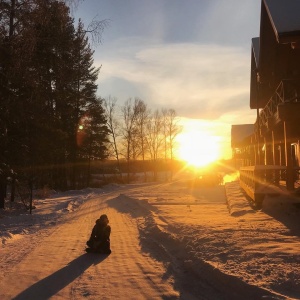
[273, 148]
[276, 158]
[257, 151]
[288, 157]
[268, 152]
[268, 157]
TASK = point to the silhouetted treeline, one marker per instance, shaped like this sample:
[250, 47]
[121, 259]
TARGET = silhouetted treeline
[51, 121]
[138, 133]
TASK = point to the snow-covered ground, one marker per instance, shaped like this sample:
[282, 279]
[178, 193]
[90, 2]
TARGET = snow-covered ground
[169, 241]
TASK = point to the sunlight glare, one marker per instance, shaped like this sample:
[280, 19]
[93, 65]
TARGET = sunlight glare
[198, 149]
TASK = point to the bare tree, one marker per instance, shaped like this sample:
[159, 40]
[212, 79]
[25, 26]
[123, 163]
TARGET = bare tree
[142, 118]
[113, 125]
[95, 29]
[164, 113]
[173, 129]
[129, 112]
[154, 138]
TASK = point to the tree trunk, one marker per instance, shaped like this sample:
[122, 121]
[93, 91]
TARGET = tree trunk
[2, 191]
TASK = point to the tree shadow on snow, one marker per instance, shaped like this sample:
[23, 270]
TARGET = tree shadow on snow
[136, 208]
[52, 284]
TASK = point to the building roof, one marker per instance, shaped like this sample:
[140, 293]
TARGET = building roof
[255, 49]
[275, 55]
[254, 72]
[239, 133]
[285, 19]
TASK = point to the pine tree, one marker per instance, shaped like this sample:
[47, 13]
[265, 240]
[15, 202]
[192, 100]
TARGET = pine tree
[47, 87]
[83, 87]
[93, 138]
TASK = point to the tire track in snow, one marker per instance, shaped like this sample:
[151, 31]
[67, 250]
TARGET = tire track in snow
[127, 273]
[58, 268]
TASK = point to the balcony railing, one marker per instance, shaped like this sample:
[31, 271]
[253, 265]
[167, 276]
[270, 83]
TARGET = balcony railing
[286, 92]
[258, 181]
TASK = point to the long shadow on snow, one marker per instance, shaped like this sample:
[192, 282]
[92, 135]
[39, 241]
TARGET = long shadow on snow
[52, 284]
[192, 276]
[128, 205]
[286, 210]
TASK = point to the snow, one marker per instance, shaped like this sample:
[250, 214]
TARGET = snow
[170, 240]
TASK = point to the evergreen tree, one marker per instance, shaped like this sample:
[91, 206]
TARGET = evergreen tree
[47, 86]
[13, 16]
[92, 137]
[83, 87]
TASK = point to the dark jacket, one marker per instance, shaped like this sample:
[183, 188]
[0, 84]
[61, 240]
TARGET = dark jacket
[99, 240]
[100, 232]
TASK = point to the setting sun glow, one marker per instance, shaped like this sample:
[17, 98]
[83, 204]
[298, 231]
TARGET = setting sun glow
[198, 149]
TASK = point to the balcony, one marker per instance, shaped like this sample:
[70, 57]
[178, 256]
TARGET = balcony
[266, 180]
[281, 105]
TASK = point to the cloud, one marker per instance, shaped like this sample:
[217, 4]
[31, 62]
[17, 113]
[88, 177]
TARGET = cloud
[198, 81]
[206, 84]
[230, 22]
[193, 57]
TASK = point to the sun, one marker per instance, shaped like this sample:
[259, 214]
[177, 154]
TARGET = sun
[197, 148]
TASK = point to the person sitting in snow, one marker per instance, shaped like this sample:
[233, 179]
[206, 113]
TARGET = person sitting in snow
[99, 241]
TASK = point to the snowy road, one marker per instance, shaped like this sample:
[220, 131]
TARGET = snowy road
[57, 266]
[157, 250]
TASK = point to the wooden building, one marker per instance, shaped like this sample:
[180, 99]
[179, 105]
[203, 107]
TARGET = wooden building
[275, 94]
[242, 152]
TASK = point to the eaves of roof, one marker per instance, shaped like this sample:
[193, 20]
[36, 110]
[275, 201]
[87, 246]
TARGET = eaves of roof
[285, 19]
[255, 49]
